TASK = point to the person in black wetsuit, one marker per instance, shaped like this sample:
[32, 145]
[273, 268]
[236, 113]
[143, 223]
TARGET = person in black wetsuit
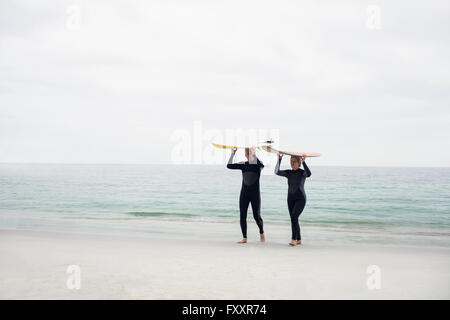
[251, 171]
[296, 198]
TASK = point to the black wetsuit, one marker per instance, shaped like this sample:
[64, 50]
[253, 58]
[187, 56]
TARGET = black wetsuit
[249, 191]
[296, 198]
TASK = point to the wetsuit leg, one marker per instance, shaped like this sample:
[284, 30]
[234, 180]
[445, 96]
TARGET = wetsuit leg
[296, 211]
[256, 207]
[243, 207]
[291, 203]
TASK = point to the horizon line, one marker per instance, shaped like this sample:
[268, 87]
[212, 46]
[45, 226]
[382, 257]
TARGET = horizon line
[201, 164]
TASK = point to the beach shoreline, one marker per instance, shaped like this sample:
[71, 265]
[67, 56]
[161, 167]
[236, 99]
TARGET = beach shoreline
[34, 265]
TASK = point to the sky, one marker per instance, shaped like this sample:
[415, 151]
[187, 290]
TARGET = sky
[364, 83]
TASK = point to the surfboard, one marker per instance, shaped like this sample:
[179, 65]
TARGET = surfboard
[224, 146]
[290, 153]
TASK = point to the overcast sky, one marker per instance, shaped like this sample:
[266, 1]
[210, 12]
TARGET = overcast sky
[115, 81]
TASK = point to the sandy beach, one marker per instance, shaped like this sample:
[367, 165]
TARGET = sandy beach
[34, 266]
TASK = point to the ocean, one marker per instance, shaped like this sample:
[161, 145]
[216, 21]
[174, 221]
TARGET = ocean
[388, 205]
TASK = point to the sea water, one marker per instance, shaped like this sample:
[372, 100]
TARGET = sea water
[396, 205]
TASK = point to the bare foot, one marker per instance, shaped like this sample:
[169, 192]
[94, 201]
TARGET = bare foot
[244, 240]
[262, 238]
[299, 242]
[293, 243]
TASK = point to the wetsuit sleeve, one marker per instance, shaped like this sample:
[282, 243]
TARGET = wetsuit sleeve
[278, 172]
[260, 163]
[306, 172]
[231, 165]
